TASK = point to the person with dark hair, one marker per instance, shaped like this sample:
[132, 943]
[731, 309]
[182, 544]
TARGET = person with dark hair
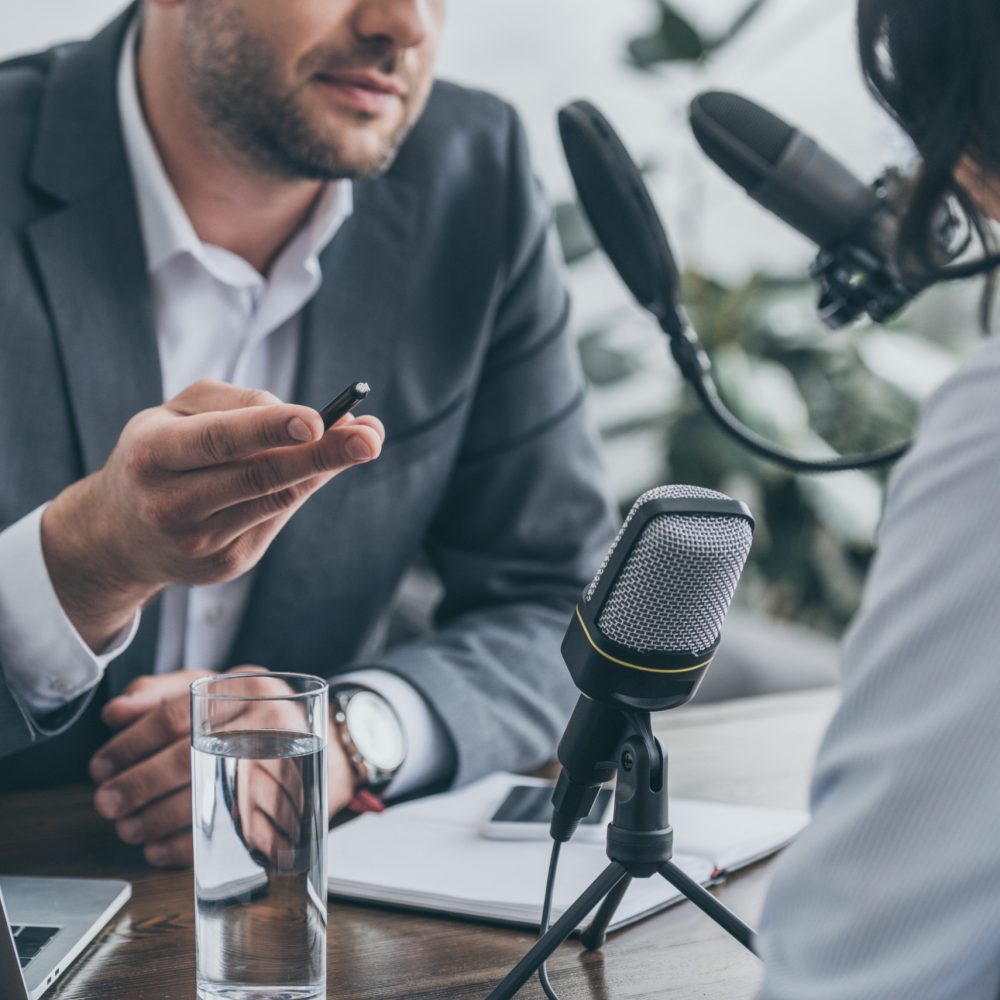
[214, 215]
[892, 892]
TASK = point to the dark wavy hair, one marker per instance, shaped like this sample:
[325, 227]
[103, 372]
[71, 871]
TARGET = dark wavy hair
[934, 65]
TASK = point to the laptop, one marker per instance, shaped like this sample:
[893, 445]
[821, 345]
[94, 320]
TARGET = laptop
[44, 925]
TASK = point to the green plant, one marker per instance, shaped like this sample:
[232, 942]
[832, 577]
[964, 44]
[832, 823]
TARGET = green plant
[676, 39]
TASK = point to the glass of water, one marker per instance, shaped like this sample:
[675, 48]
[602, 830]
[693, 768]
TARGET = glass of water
[258, 760]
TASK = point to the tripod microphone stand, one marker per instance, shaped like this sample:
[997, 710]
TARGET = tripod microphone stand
[640, 845]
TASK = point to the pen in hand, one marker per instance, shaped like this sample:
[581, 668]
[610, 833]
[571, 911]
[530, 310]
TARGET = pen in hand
[354, 394]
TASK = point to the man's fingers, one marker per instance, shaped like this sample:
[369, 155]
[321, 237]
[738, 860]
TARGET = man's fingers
[117, 714]
[206, 440]
[159, 820]
[273, 510]
[169, 721]
[258, 831]
[364, 420]
[176, 851]
[280, 785]
[145, 693]
[270, 841]
[267, 796]
[290, 780]
[279, 469]
[156, 773]
[210, 394]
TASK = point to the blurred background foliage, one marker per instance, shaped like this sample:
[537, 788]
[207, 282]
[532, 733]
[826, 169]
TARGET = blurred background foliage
[780, 370]
[676, 39]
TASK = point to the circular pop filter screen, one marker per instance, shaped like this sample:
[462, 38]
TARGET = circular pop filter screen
[618, 205]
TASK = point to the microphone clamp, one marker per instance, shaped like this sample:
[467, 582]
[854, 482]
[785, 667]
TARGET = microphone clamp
[864, 276]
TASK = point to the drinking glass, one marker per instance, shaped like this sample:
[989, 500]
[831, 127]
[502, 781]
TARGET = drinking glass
[258, 760]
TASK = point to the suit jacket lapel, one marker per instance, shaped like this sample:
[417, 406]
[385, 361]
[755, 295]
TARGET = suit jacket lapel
[349, 332]
[350, 326]
[91, 262]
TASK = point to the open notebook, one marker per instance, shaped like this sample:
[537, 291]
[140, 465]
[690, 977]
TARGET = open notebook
[430, 855]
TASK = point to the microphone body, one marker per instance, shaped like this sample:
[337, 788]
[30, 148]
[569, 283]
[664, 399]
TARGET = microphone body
[816, 194]
[646, 629]
[783, 169]
[855, 225]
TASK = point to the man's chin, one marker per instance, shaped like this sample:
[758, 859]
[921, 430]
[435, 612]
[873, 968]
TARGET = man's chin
[362, 155]
[364, 141]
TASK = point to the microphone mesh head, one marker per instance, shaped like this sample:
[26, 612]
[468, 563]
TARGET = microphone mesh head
[757, 133]
[675, 587]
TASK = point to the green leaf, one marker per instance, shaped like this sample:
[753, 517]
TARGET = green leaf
[675, 39]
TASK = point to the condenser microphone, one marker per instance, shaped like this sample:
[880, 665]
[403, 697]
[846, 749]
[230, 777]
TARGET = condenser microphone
[783, 169]
[855, 225]
[646, 629]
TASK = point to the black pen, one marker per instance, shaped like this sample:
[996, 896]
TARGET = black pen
[355, 393]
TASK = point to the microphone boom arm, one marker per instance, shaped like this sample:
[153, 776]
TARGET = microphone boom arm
[695, 366]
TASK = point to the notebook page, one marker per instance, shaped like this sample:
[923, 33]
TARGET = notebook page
[430, 854]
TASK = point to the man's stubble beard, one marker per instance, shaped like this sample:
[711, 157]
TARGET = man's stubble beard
[235, 85]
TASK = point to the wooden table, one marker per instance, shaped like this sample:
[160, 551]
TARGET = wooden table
[757, 751]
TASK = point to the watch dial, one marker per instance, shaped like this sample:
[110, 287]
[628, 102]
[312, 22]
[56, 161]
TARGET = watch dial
[375, 730]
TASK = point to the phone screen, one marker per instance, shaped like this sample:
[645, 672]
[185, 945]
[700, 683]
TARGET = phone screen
[533, 804]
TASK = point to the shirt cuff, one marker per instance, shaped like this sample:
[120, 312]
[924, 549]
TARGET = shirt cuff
[46, 662]
[429, 755]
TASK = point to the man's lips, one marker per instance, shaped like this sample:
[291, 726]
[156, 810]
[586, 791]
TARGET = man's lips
[368, 91]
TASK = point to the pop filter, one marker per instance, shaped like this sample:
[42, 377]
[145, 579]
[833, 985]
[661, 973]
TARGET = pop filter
[615, 199]
[617, 203]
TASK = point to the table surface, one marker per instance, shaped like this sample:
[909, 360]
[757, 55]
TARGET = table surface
[757, 751]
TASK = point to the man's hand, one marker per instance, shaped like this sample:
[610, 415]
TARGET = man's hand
[194, 492]
[144, 776]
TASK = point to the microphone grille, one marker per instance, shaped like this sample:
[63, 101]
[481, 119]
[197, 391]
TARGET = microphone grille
[674, 589]
[720, 120]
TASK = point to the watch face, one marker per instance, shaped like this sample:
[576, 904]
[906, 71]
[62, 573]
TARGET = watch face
[375, 731]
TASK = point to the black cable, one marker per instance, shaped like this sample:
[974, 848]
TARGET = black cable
[543, 974]
[695, 367]
[763, 448]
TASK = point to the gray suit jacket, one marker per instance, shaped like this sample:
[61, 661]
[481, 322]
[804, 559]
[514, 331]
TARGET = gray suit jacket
[443, 290]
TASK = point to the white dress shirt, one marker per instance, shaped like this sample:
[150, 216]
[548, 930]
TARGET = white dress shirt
[216, 317]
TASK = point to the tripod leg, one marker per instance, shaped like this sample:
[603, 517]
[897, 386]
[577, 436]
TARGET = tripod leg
[706, 902]
[560, 930]
[593, 937]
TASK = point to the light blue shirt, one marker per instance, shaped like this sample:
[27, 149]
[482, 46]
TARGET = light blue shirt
[894, 890]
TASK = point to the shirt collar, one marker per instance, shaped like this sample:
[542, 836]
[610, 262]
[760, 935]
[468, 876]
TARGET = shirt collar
[166, 229]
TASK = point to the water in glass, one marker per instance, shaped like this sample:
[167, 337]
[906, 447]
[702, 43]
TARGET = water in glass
[260, 829]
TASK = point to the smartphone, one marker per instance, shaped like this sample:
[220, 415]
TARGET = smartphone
[527, 810]
[354, 394]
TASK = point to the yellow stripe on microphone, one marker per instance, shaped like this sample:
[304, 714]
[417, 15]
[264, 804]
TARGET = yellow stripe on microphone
[635, 666]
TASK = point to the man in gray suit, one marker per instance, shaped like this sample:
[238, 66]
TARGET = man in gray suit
[214, 195]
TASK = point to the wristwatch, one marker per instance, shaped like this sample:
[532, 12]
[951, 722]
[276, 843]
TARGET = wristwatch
[370, 732]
